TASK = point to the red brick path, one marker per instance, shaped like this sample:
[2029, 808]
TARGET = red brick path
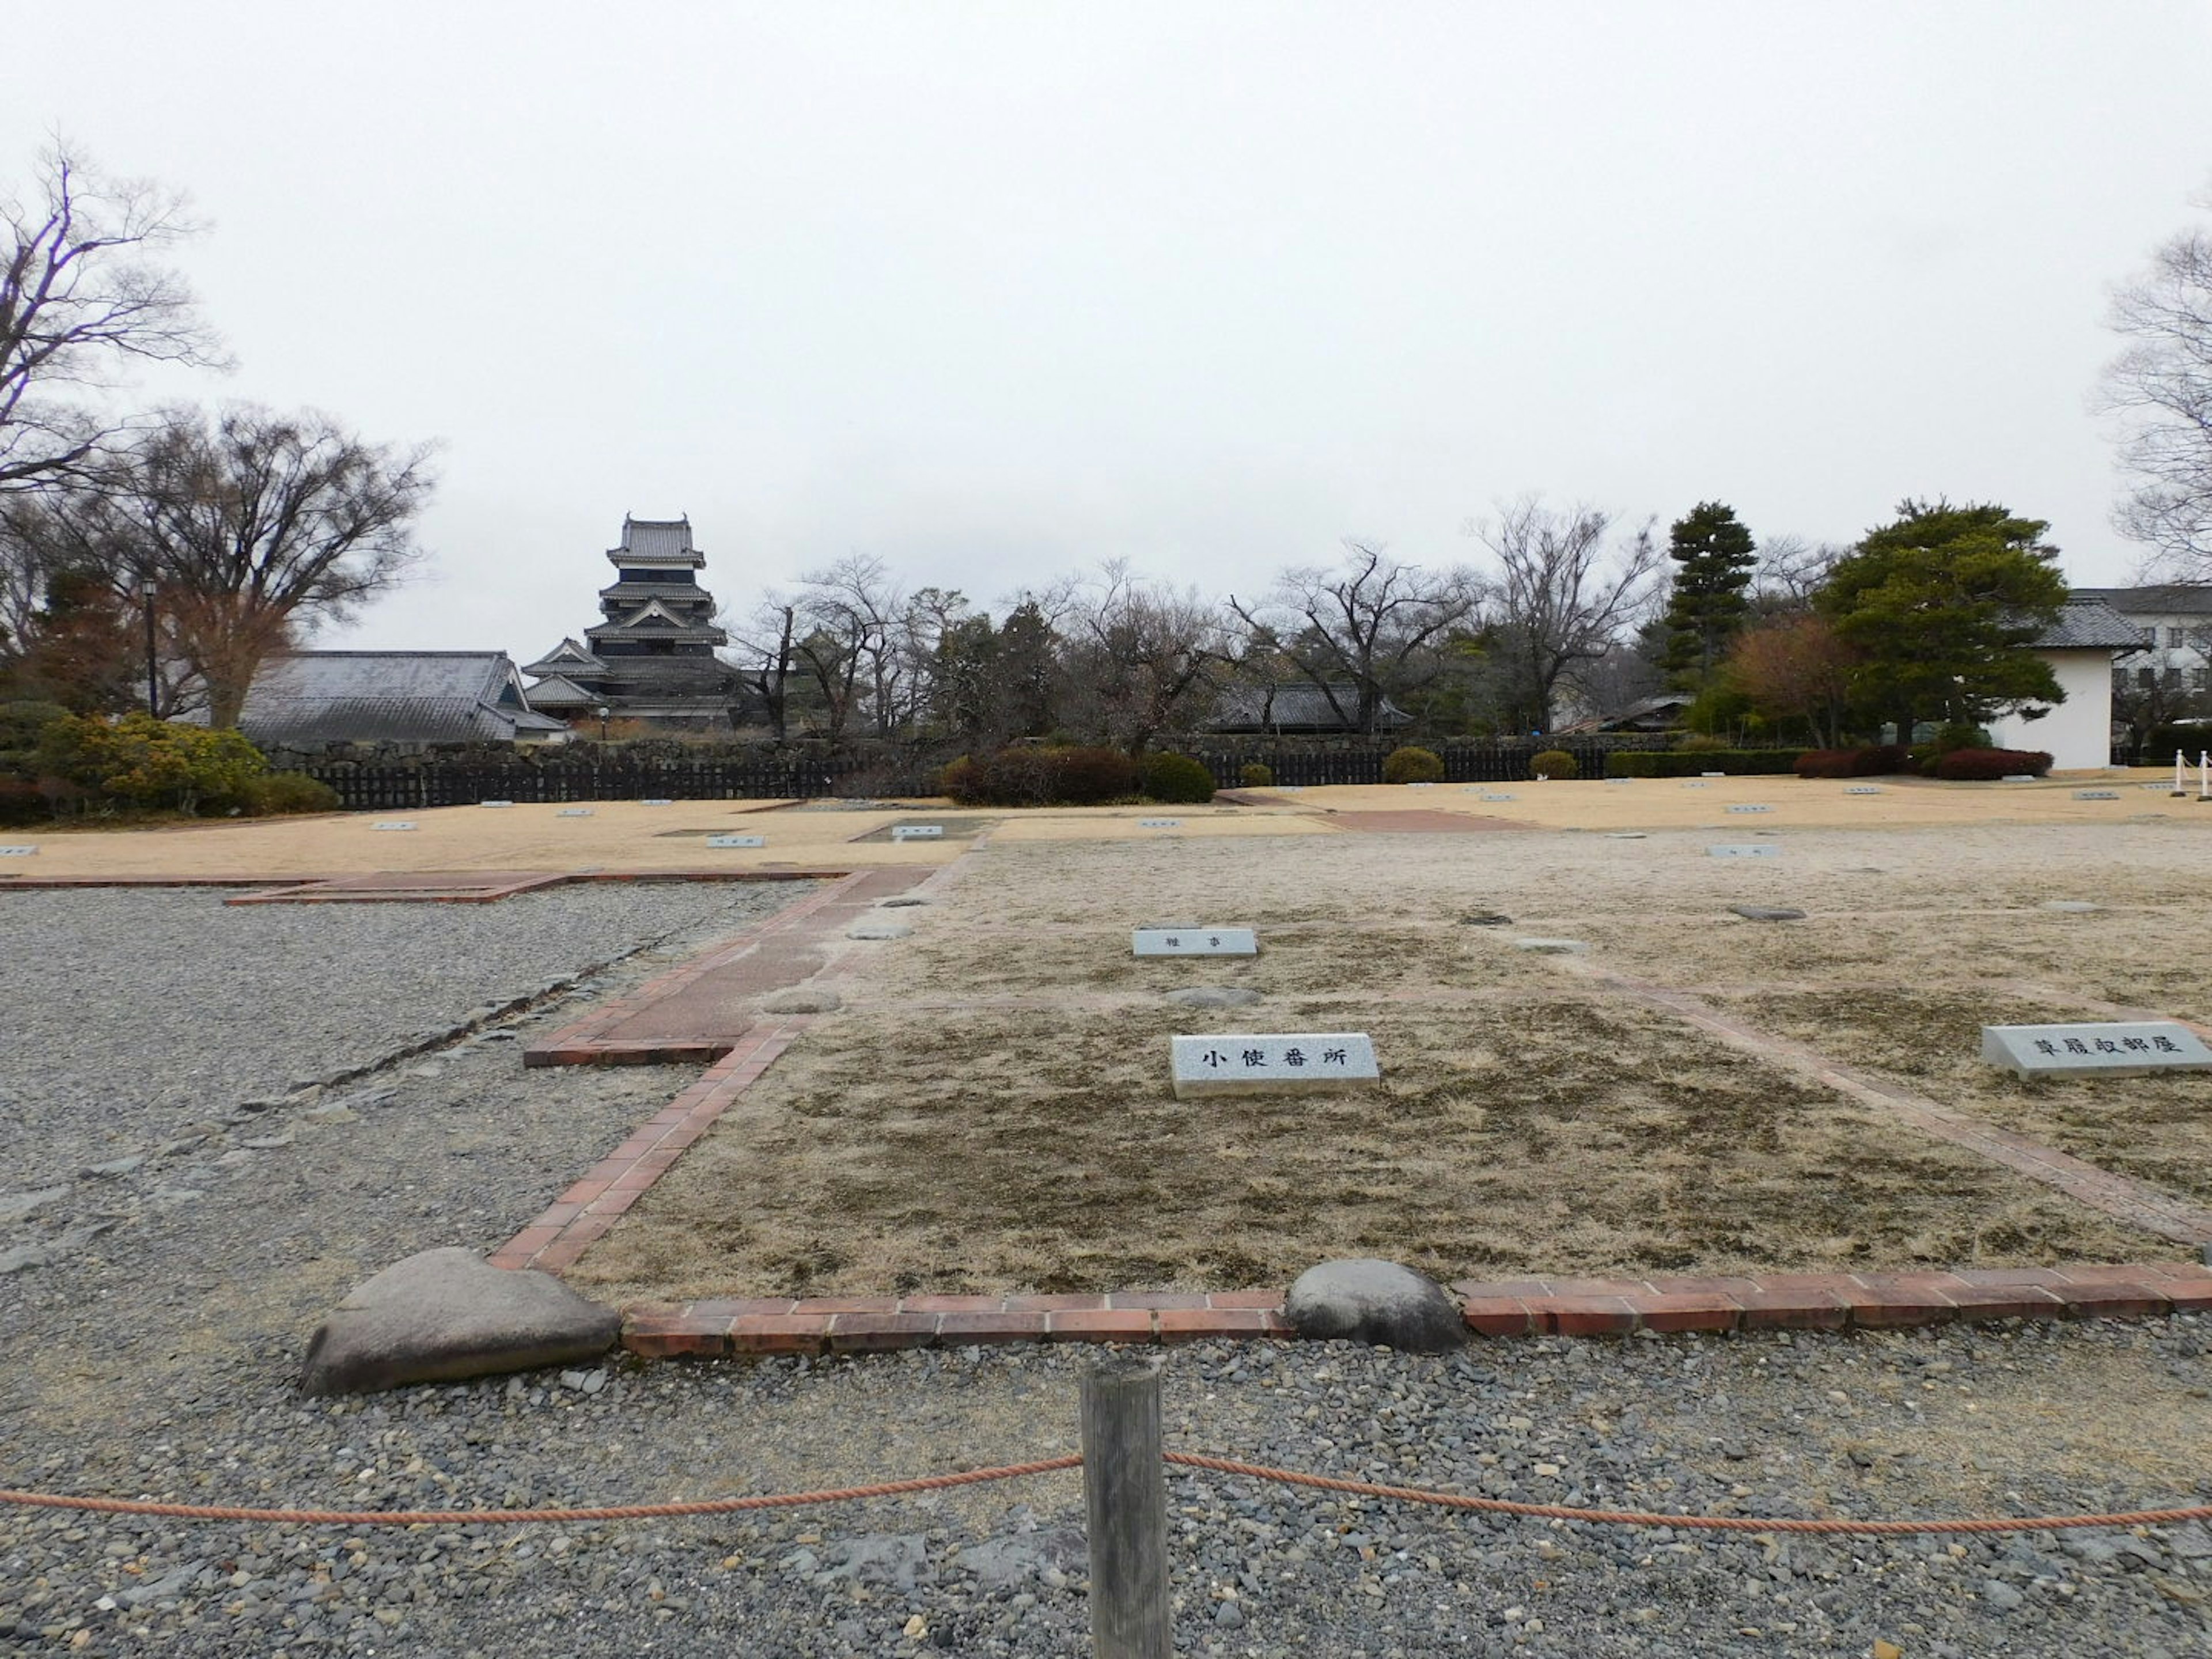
[697, 1012]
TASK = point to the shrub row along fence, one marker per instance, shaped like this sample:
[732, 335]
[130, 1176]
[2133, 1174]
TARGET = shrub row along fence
[433, 780]
[439, 782]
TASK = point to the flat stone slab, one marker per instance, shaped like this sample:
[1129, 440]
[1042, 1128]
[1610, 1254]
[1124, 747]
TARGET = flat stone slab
[2096, 795]
[879, 930]
[1485, 919]
[1375, 1301]
[495, 803]
[395, 823]
[1740, 850]
[1159, 823]
[1215, 996]
[2116, 1048]
[656, 800]
[1693, 783]
[447, 1314]
[917, 831]
[1767, 913]
[1309, 1062]
[1625, 835]
[736, 840]
[1553, 947]
[1195, 942]
[1863, 789]
[573, 812]
[17, 852]
[1750, 809]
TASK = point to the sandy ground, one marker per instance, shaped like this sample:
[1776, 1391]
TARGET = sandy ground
[992, 1111]
[630, 835]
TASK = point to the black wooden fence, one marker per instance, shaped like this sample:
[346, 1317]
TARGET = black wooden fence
[441, 782]
[391, 784]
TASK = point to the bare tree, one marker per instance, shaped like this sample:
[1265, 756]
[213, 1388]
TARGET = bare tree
[82, 292]
[1361, 633]
[1789, 572]
[255, 528]
[2159, 389]
[844, 641]
[1143, 657]
[762, 653]
[1565, 599]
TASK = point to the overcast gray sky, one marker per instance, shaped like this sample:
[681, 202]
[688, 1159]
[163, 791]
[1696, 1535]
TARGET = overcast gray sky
[992, 291]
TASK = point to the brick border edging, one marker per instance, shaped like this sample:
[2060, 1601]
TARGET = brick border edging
[1532, 1307]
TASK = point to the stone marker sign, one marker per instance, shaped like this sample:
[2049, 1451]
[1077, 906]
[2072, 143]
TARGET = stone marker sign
[2122, 1048]
[16, 852]
[1159, 823]
[2096, 795]
[1240, 1064]
[495, 803]
[573, 812]
[917, 831]
[1695, 783]
[1739, 851]
[1195, 942]
[1863, 789]
[736, 840]
[1496, 797]
[1620, 779]
[656, 800]
[1751, 809]
[396, 823]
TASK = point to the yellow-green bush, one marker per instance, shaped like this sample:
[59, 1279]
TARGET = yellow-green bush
[1413, 765]
[150, 764]
[1554, 764]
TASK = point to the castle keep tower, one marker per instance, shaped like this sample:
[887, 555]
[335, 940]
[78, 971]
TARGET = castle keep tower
[652, 657]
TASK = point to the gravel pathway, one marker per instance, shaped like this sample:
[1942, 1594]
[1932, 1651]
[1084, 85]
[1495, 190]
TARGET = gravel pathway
[154, 1354]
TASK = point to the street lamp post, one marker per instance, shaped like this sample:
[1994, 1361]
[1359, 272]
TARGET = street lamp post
[153, 661]
[603, 712]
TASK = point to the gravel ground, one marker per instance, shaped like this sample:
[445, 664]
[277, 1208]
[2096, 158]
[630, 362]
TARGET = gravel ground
[154, 1354]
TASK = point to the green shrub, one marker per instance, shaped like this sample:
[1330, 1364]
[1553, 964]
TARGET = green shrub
[1176, 778]
[1413, 765]
[1255, 774]
[1875, 762]
[1959, 736]
[961, 779]
[2159, 745]
[275, 793]
[148, 763]
[1554, 764]
[1027, 775]
[1986, 765]
[1690, 763]
[21, 723]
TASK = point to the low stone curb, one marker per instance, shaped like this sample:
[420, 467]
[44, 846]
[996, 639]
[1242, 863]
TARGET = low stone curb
[1510, 1308]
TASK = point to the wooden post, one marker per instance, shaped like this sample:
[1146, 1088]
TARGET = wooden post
[1125, 1490]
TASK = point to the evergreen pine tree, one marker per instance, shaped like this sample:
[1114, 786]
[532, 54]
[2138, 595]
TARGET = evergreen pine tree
[1713, 555]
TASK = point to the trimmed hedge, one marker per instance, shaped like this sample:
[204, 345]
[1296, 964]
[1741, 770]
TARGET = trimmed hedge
[1178, 779]
[1878, 760]
[1555, 764]
[1255, 774]
[1675, 764]
[1044, 777]
[1413, 765]
[1986, 765]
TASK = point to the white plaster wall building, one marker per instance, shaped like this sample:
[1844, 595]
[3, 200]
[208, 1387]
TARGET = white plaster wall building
[2080, 647]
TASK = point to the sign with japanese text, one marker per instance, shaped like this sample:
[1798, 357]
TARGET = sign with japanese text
[1195, 942]
[1306, 1063]
[2123, 1048]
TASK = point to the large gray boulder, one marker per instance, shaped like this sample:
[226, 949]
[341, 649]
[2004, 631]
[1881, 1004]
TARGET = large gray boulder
[447, 1314]
[1377, 1302]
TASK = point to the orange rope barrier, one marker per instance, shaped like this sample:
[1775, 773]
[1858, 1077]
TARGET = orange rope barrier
[502, 1517]
[1052, 1465]
[1705, 1522]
